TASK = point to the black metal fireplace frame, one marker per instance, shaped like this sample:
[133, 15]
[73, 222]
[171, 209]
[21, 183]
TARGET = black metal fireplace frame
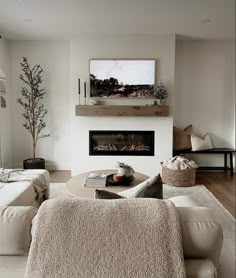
[122, 153]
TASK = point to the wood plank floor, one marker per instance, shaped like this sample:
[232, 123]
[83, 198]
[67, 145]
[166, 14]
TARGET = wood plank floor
[220, 184]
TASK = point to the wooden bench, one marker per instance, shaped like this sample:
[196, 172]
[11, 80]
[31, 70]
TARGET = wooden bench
[224, 151]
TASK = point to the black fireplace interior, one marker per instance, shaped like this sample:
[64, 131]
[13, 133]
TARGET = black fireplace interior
[121, 142]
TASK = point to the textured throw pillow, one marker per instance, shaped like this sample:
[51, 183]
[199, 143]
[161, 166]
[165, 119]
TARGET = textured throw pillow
[182, 138]
[199, 144]
[151, 188]
[103, 194]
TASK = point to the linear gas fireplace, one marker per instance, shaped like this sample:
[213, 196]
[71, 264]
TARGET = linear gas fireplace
[121, 142]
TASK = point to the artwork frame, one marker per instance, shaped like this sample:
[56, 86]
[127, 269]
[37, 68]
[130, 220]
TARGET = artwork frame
[122, 78]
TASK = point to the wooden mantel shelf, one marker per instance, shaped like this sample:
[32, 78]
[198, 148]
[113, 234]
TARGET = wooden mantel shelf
[122, 110]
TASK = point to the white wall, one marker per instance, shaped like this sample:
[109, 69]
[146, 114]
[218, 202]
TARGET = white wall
[205, 92]
[54, 58]
[199, 76]
[5, 113]
[86, 47]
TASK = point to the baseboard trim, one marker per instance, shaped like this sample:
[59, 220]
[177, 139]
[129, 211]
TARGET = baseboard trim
[49, 166]
[7, 166]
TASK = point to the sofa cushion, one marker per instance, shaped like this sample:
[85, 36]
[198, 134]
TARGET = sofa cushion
[13, 266]
[184, 201]
[202, 236]
[15, 229]
[17, 194]
[200, 269]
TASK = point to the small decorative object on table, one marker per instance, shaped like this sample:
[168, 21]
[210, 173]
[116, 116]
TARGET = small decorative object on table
[160, 93]
[124, 176]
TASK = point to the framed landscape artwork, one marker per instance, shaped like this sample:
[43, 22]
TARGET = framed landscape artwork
[122, 78]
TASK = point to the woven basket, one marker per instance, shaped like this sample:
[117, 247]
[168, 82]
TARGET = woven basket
[176, 177]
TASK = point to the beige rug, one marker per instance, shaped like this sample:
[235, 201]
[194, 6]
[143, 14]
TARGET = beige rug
[203, 198]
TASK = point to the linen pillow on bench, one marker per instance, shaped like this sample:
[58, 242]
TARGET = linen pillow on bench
[201, 143]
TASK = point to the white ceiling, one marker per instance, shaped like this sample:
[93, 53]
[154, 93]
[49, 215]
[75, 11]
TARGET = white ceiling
[64, 19]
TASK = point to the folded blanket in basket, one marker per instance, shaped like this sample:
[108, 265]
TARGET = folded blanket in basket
[106, 239]
[179, 162]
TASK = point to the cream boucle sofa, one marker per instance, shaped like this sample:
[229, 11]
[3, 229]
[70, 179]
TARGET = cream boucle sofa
[201, 235]
[19, 201]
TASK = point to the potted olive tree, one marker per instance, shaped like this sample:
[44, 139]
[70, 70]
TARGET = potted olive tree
[34, 111]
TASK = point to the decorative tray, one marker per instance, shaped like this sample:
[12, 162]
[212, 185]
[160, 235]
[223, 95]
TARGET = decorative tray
[125, 181]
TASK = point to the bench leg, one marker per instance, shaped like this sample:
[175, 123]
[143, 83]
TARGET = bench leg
[225, 162]
[231, 163]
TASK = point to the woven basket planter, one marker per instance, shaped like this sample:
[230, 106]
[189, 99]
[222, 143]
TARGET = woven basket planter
[176, 177]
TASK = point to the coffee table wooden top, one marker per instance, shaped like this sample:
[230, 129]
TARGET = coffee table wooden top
[75, 186]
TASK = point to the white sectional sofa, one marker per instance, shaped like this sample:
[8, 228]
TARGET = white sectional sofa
[19, 202]
[21, 193]
[201, 235]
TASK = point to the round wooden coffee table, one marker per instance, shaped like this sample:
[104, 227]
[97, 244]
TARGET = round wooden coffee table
[75, 186]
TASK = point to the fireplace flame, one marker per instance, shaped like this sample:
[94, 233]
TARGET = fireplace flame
[129, 147]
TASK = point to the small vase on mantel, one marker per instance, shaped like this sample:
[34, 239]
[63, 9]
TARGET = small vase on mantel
[161, 102]
[160, 93]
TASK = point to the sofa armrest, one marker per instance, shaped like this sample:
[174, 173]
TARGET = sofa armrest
[15, 229]
[202, 236]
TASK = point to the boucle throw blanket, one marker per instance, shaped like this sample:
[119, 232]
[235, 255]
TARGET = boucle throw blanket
[135, 238]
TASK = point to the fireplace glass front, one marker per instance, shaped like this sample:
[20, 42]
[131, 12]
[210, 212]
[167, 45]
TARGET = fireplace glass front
[121, 142]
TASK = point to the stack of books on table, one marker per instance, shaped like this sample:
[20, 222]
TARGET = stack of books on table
[96, 180]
